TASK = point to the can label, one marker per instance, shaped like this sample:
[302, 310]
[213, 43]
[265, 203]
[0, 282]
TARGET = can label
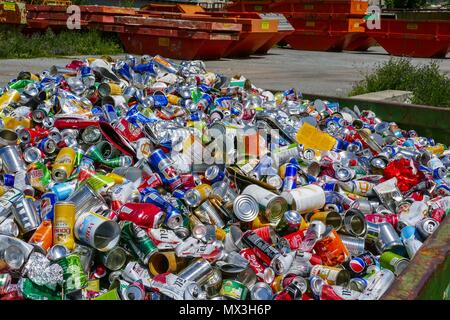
[233, 289]
[262, 249]
[138, 241]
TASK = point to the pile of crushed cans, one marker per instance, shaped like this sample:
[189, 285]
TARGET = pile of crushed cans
[150, 179]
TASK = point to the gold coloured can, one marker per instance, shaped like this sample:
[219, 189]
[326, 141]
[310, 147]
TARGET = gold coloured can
[64, 221]
[64, 164]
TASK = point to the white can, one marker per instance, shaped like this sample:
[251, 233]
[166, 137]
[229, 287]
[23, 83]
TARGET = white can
[305, 199]
[97, 231]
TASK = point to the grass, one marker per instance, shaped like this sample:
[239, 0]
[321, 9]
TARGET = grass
[50, 44]
[428, 84]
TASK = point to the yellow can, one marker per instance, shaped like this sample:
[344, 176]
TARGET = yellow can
[109, 89]
[9, 97]
[64, 164]
[220, 234]
[12, 123]
[197, 195]
[173, 99]
[64, 221]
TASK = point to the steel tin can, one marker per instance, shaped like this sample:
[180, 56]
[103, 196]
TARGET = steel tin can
[306, 198]
[114, 259]
[97, 231]
[330, 218]
[64, 223]
[332, 275]
[167, 261]
[272, 205]
[354, 223]
[198, 271]
[245, 208]
[234, 290]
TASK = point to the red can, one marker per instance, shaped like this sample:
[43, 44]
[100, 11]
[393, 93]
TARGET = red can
[255, 263]
[188, 180]
[266, 233]
[390, 218]
[438, 214]
[295, 239]
[128, 130]
[145, 215]
[154, 181]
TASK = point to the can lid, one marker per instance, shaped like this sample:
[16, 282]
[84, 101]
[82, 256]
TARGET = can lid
[269, 275]
[245, 208]
[275, 181]
[14, 257]
[316, 283]
[212, 172]
[32, 154]
[192, 198]
[261, 291]
[293, 217]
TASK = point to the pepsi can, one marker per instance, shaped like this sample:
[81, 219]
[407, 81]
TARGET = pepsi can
[359, 264]
[47, 207]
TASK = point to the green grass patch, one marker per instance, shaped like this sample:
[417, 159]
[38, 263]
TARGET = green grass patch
[50, 44]
[429, 85]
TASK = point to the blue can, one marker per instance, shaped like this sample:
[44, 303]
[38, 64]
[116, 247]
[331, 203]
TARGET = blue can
[110, 113]
[174, 217]
[330, 186]
[47, 207]
[64, 189]
[86, 71]
[160, 100]
[164, 166]
[8, 180]
[290, 177]
[124, 70]
[179, 194]
[146, 67]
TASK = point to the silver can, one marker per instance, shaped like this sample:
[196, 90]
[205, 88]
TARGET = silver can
[198, 271]
[426, 227]
[354, 223]
[85, 199]
[11, 159]
[388, 238]
[212, 213]
[245, 208]
[26, 215]
[354, 245]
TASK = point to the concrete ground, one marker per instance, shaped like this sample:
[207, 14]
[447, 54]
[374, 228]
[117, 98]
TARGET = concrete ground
[311, 72]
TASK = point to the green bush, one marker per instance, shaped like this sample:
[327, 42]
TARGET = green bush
[428, 84]
[405, 4]
[48, 44]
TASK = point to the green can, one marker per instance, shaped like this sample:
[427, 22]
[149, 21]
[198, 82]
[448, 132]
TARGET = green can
[109, 295]
[73, 274]
[32, 291]
[233, 289]
[137, 241]
[394, 262]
